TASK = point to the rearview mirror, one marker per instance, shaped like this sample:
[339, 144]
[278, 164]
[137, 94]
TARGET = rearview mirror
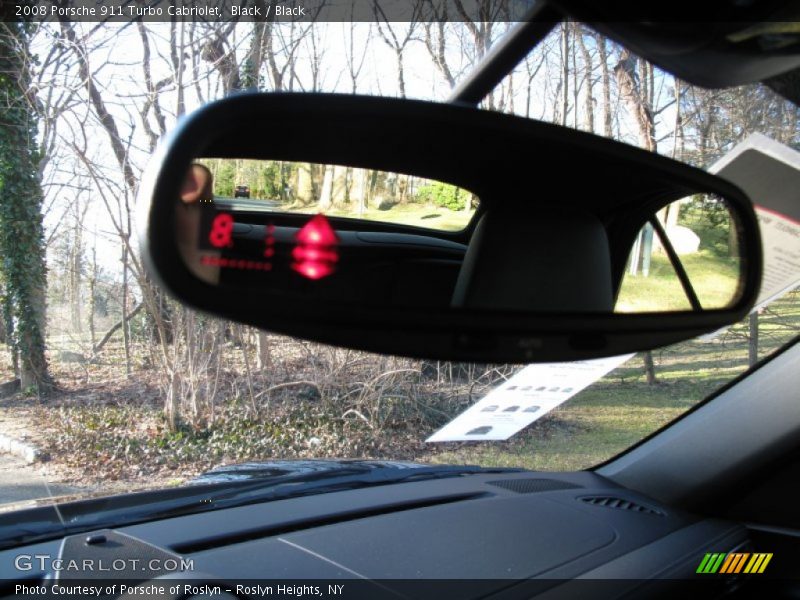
[441, 231]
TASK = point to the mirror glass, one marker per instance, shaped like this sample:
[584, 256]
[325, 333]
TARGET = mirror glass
[334, 190]
[328, 233]
[702, 232]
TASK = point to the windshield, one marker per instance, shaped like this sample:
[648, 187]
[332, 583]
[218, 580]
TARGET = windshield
[108, 385]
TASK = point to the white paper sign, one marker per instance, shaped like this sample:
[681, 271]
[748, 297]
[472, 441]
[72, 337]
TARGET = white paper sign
[527, 396]
[770, 174]
[780, 237]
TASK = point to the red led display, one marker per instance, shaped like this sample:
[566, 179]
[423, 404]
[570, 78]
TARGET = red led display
[221, 235]
[236, 263]
[313, 270]
[317, 232]
[269, 241]
[315, 254]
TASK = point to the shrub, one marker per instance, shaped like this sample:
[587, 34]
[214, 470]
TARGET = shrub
[709, 218]
[443, 194]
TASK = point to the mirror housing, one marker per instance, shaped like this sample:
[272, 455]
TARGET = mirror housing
[585, 199]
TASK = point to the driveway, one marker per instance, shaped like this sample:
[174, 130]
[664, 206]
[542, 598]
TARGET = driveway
[20, 481]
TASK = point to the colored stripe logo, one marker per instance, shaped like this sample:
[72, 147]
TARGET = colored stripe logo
[734, 562]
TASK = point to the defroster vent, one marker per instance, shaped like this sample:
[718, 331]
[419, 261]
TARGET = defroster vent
[621, 504]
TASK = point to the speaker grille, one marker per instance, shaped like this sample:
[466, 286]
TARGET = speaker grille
[532, 486]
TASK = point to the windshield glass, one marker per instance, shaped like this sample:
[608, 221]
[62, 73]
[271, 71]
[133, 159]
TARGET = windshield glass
[110, 385]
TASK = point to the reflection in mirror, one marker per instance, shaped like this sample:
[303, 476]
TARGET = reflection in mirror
[703, 234]
[275, 227]
[195, 202]
[334, 190]
[268, 225]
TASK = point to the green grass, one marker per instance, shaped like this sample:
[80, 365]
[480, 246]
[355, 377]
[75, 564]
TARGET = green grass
[414, 214]
[431, 217]
[713, 278]
[622, 408]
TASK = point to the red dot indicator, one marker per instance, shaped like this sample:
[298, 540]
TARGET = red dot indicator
[313, 270]
[315, 254]
[269, 241]
[232, 263]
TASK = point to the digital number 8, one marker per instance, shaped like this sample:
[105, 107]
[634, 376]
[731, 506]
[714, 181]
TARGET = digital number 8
[221, 230]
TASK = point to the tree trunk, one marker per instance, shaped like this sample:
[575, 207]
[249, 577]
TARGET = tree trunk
[752, 343]
[8, 330]
[564, 73]
[606, 83]
[401, 80]
[92, 300]
[305, 184]
[326, 194]
[75, 277]
[637, 100]
[358, 189]
[99, 346]
[649, 368]
[125, 331]
[33, 372]
[677, 136]
[588, 92]
[575, 88]
[3, 335]
[21, 228]
[263, 360]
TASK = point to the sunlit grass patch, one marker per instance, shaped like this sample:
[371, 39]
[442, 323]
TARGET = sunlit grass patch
[713, 278]
[414, 214]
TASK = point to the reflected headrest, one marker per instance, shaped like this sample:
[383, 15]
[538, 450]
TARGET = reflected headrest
[536, 259]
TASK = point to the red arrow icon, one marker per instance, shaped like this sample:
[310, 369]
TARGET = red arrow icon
[315, 253]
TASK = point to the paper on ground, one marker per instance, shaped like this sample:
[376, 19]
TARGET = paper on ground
[527, 396]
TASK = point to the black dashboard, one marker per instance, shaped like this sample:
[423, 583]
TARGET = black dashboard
[485, 535]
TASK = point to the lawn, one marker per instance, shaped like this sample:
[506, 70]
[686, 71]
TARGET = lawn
[415, 214]
[622, 408]
[713, 278]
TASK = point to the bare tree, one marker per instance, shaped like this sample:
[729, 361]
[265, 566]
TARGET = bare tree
[532, 68]
[588, 79]
[564, 81]
[355, 57]
[435, 39]
[222, 56]
[78, 210]
[600, 42]
[397, 40]
[633, 89]
[634, 92]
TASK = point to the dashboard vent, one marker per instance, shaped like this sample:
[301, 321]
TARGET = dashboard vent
[621, 504]
[532, 486]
